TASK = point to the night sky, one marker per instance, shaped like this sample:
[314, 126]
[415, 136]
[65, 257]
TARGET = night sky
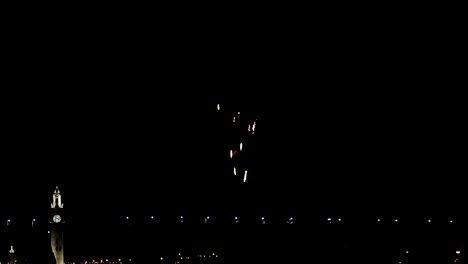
[349, 120]
[353, 122]
[353, 151]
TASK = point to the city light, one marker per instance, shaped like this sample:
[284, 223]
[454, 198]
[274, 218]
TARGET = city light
[289, 218]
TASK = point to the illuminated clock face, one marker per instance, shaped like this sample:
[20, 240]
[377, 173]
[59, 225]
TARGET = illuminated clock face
[57, 218]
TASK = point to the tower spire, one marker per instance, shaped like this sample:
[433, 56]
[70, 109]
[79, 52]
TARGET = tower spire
[11, 259]
[56, 199]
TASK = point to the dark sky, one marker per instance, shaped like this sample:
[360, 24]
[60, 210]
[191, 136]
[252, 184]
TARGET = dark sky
[150, 150]
[347, 118]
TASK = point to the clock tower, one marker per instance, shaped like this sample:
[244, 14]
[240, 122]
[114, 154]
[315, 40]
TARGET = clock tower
[56, 232]
[11, 259]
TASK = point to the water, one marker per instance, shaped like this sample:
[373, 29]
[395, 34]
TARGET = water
[147, 240]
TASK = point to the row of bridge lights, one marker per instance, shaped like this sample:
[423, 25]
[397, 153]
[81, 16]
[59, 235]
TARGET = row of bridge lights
[428, 220]
[236, 219]
[32, 222]
[207, 219]
[289, 221]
